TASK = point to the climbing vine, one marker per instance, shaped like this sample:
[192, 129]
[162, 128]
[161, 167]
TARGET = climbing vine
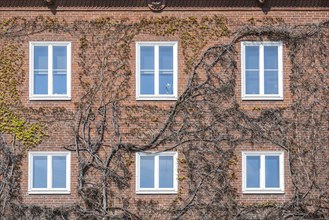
[208, 124]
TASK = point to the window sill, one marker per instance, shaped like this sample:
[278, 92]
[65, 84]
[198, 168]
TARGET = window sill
[262, 98]
[154, 192]
[157, 98]
[49, 192]
[263, 192]
[49, 98]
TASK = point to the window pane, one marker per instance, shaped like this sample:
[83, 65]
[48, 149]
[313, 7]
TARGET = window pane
[166, 83]
[166, 172]
[40, 82]
[147, 70]
[147, 57]
[147, 171]
[59, 84]
[59, 57]
[147, 83]
[252, 82]
[271, 57]
[39, 171]
[271, 82]
[272, 171]
[166, 56]
[41, 57]
[253, 171]
[252, 57]
[40, 70]
[59, 171]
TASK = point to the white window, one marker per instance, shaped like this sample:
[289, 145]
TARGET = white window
[49, 172]
[50, 70]
[156, 70]
[262, 172]
[262, 71]
[156, 173]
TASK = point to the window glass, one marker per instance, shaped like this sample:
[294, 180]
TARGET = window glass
[272, 171]
[60, 82]
[253, 171]
[252, 57]
[166, 56]
[166, 175]
[271, 82]
[59, 69]
[252, 69]
[147, 70]
[271, 57]
[40, 172]
[166, 84]
[147, 83]
[166, 71]
[147, 57]
[41, 57]
[60, 57]
[59, 171]
[271, 65]
[40, 82]
[147, 171]
[252, 82]
[40, 70]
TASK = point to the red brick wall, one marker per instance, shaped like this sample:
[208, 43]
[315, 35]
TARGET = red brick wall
[60, 136]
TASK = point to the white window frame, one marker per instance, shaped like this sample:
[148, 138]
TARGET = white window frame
[156, 189]
[261, 95]
[157, 96]
[50, 95]
[49, 189]
[262, 189]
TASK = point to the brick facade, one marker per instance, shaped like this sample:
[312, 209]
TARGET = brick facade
[236, 15]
